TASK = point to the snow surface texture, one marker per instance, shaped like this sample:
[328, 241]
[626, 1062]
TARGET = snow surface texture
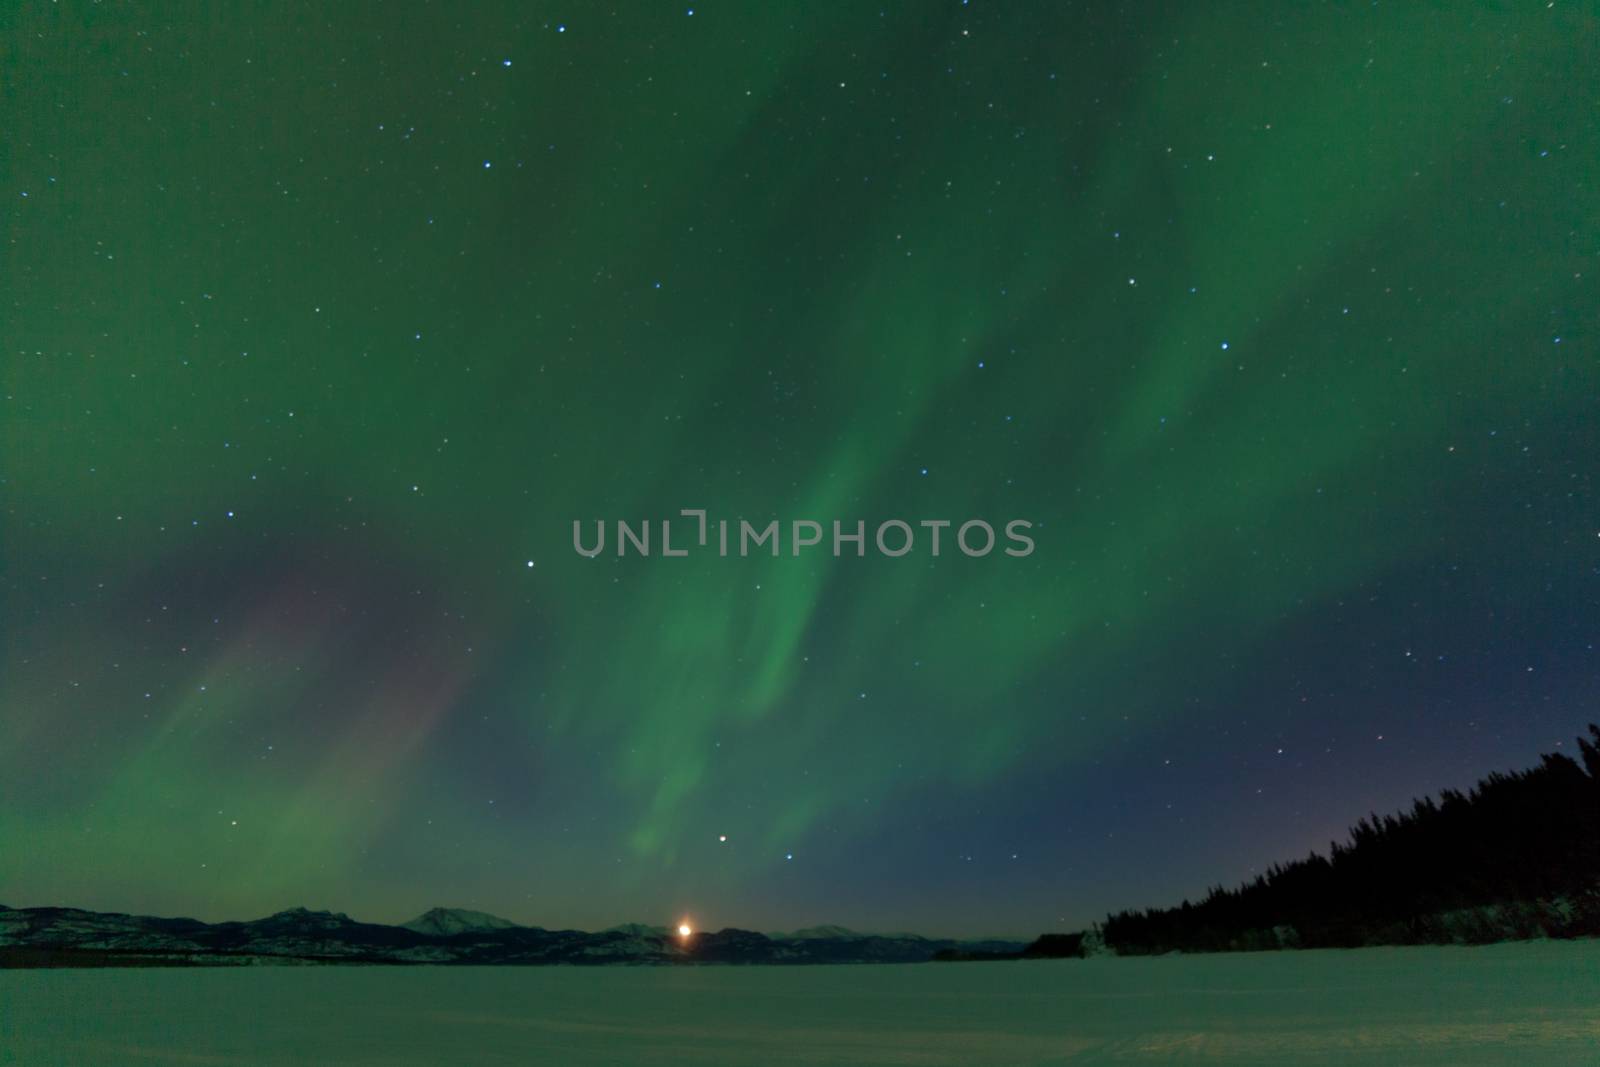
[1526, 1003]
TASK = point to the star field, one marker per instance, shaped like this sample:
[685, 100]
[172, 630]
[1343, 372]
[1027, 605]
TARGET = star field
[322, 326]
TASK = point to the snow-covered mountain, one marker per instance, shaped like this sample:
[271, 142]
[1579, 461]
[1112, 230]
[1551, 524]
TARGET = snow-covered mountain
[442, 922]
[812, 932]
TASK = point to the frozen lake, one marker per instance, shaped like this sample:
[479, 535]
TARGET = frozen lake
[1530, 1003]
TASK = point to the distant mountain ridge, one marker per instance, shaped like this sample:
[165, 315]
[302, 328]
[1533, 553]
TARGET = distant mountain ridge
[812, 932]
[71, 936]
[442, 922]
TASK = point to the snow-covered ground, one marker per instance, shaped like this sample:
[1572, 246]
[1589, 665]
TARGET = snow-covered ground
[1535, 1003]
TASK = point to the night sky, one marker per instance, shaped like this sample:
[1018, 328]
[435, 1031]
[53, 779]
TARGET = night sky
[322, 323]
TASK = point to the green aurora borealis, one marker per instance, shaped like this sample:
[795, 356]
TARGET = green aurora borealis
[322, 322]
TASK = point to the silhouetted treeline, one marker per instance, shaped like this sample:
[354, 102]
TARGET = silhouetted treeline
[1518, 856]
